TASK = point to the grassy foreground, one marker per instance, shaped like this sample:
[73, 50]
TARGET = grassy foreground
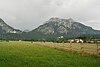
[26, 54]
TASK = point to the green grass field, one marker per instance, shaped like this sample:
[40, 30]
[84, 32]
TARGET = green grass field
[26, 54]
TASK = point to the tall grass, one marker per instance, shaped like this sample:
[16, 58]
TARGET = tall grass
[26, 54]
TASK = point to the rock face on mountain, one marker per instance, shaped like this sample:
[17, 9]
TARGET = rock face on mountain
[4, 28]
[63, 27]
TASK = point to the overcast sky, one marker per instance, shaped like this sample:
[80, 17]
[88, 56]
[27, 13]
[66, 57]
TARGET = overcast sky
[29, 14]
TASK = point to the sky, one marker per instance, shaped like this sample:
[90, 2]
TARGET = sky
[29, 14]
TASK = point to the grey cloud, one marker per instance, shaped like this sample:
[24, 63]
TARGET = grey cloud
[29, 14]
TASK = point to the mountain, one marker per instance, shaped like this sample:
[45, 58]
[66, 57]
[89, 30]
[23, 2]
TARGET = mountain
[56, 27]
[5, 28]
[53, 28]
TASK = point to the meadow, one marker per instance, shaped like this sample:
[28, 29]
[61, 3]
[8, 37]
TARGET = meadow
[27, 54]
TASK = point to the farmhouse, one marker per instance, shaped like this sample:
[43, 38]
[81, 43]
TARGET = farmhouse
[77, 40]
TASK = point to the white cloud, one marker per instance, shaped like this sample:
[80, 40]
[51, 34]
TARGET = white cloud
[29, 14]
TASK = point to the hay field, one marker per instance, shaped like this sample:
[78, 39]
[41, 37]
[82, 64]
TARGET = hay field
[88, 48]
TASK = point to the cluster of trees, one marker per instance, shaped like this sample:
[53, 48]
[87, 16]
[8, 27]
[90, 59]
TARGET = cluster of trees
[89, 37]
[18, 37]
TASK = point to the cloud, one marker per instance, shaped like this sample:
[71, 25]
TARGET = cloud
[29, 14]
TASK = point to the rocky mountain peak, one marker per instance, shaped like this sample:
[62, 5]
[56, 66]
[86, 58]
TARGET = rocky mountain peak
[67, 23]
[56, 25]
[67, 27]
[60, 22]
[5, 28]
[70, 20]
[56, 19]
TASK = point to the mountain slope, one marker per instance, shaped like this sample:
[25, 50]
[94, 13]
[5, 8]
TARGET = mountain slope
[4, 28]
[56, 27]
